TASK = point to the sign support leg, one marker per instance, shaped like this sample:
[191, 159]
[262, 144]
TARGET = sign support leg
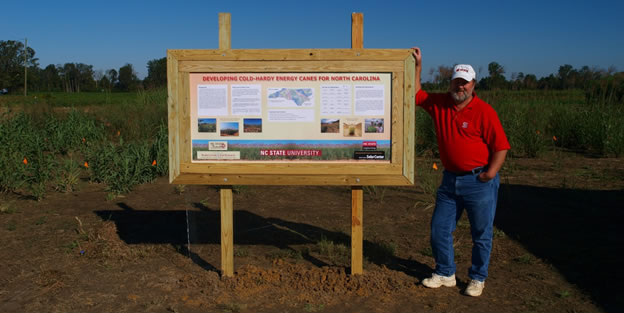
[227, 206]
[227, 232]
[357, 233]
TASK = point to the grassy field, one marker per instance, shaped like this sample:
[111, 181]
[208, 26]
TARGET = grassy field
[120, 139]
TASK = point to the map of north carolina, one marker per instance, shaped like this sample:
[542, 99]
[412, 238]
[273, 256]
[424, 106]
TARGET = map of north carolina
[299, 96]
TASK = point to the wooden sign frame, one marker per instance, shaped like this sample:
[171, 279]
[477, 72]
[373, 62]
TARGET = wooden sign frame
[398, 62]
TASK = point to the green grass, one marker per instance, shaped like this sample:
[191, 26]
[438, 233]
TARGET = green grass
[525, 259]
[376, 192]
[381, 252]
[563, 293]
[427, 252]
[285, 254]
[336, 253]
[241, 252]
[64, 99]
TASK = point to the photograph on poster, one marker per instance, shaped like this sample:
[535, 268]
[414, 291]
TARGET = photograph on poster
[229, 129]
[352, 129]
[252, 125]
[330, 125]
[374, 125]
[207, 125]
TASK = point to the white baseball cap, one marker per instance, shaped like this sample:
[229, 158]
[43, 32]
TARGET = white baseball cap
[464, 71]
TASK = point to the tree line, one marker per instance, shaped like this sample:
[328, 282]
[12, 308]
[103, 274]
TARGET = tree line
[567, 77]
[71, 77]
[78, 77]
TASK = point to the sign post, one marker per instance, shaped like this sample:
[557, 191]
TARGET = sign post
[227, 203]
[357, 194]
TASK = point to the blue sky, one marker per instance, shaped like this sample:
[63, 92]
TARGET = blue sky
[534, 37]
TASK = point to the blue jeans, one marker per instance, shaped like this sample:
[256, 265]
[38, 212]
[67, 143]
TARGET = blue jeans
[479, 200]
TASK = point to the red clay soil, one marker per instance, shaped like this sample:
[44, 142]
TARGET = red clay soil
[554, 248]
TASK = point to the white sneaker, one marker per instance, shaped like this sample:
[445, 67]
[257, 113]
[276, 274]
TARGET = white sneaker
[475, 288]
[435, 281]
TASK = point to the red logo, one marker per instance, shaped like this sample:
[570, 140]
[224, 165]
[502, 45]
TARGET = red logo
[369, 144]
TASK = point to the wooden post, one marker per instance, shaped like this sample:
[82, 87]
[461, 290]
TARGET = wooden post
[357, 239]
[357, 194]
[227, 232]
[357, 31]
[225, 31]
[227, 205]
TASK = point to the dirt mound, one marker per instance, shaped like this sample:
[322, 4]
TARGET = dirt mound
[292, 284]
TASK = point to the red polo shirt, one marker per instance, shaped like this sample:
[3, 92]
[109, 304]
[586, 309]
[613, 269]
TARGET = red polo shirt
[465, 137]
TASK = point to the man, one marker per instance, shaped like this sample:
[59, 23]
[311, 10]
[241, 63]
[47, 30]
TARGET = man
[472, 147]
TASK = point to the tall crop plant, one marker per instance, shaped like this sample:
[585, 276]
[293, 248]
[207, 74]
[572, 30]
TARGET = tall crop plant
[426, 141]
[160, 150]
[524, 126]
[15, 135]
[72, 131]
[39, 168]
[121, 167]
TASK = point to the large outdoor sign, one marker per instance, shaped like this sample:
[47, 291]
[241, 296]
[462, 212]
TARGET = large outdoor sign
[304, 117]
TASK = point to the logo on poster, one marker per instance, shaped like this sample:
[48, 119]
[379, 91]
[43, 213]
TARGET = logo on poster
[217, 145]
[369, 145]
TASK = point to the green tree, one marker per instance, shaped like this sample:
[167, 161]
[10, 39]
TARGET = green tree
[496, 80]
[128, 79]
[156, 73]
[76, 77]
[13, 57]
[50, 79]
[567, 76]
[112, 76]
[530, 81]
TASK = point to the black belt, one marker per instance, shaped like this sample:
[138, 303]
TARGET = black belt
[474, 171]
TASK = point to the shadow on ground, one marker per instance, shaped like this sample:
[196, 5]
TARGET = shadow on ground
[170, 227]
[577, 231]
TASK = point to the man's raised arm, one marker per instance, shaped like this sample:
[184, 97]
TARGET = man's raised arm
[418, 57]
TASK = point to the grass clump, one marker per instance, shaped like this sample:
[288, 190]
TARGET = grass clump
[285, 254]
[7, 208]
[67, 176]
[336, 253]
[525, 259]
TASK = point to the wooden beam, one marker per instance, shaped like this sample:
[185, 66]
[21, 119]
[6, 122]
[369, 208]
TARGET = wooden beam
[173, 107]
[357, 31]
[357, 233]
[225, 31]
[292, 180]
[227, 232]
[292, 55]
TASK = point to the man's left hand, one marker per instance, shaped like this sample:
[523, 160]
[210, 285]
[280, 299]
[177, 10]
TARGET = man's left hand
[486, 176]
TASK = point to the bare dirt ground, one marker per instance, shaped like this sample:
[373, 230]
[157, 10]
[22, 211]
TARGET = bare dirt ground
[556, 247]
